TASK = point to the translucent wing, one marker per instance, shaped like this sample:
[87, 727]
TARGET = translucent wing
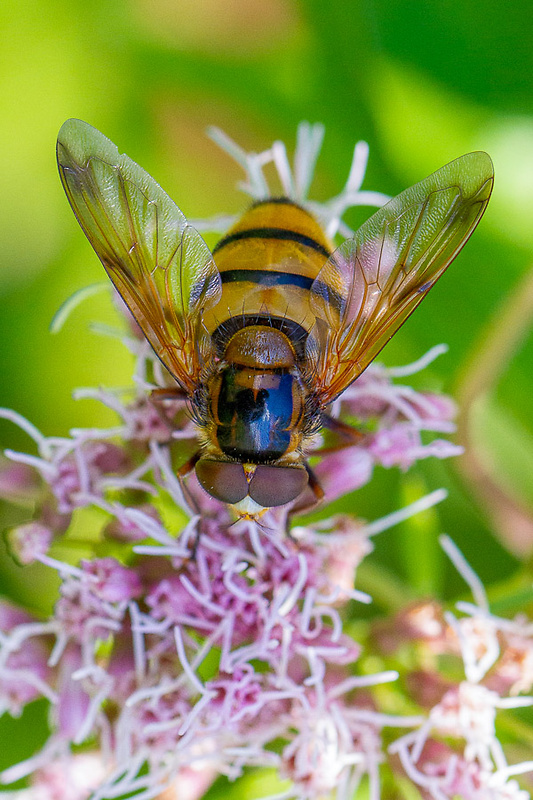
[159, 264]
[373, 282]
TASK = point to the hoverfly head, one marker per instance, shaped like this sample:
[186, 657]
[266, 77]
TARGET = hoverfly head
[251, 488]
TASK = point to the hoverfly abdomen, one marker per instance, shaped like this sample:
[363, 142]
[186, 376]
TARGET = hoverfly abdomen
[267, 263]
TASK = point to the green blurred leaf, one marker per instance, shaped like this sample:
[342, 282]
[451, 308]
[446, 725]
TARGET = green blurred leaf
[504, 447]
[419, 549]
[477, 49]
[23, 737]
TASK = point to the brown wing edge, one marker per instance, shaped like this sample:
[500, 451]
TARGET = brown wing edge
[334, 368]
[171, 337]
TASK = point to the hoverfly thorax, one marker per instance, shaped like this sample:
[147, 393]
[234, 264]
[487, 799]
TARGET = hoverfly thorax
[266, 331]
[257, 399]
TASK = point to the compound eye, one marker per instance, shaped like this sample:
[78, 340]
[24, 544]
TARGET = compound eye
[224, 480]
[275, 486]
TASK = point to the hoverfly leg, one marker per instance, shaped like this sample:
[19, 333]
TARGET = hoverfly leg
[305, 503]
[189, 465]
[158, 397]
[168, 393]
[350, 434]
[314, 484]
[181, 474]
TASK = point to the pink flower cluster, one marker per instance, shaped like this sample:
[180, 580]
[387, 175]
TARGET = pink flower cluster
[184, 646]
[456, 751]
[191, 658]
[402, 416]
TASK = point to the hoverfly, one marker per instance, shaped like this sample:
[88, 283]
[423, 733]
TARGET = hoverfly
[262, 334]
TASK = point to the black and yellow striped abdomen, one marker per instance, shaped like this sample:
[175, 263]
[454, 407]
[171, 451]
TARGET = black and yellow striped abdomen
[268, 262]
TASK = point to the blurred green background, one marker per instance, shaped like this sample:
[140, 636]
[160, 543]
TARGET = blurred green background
[422, 82]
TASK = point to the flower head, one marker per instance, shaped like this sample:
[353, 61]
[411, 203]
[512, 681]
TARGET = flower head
[456, 750]
[189, 645]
